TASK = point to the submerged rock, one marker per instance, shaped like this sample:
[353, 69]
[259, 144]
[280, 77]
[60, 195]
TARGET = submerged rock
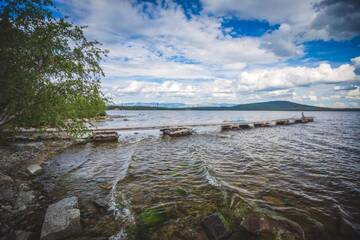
[62, 220]
[282, 228]
[215, 227]
[34, 169]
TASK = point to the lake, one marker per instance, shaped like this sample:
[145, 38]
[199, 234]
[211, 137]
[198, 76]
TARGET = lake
[306, 173]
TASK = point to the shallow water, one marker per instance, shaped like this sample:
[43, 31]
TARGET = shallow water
[308, 173]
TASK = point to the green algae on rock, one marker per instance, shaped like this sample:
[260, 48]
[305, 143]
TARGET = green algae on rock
[181, 191]
[153, 216]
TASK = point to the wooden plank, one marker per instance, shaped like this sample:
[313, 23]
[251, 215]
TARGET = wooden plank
[223, 125]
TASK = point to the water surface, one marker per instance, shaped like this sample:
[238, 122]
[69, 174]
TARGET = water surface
[308, 173]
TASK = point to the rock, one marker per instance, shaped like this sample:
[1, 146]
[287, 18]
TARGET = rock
[34, 169]
[215, 227]
[7, 188]
[24, 199]
[6, 207]
[62, 220]
[5, 179]
[258, 224]
[22, 235]
[24, 187]
[101, 204]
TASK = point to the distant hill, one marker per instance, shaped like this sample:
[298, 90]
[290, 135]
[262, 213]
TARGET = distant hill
[261, 106]
[273, 106]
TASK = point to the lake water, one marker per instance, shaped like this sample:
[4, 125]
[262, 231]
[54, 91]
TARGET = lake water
[307, 173]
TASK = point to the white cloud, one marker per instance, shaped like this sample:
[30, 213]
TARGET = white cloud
[288, 77]
[354, 94]
[168, 31]
[247, 82]
[160, 53]
[274, 11]
[356, 62]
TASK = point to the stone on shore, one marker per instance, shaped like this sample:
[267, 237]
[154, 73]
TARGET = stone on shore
[7, 188]
[22, 235]
[215, 227]
[62, 220]
[24, 199]
[34, 169]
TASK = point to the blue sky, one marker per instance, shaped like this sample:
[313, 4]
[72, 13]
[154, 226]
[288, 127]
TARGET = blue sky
[203, 52]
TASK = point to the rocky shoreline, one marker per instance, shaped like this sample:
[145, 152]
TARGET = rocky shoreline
[24, 201]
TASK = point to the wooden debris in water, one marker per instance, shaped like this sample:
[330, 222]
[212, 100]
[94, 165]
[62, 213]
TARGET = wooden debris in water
[282, 122]
[288, 121]
[262, 124]
[106, 186]
[236, 126]
[307, 119]
[176, 132]
[102, 136]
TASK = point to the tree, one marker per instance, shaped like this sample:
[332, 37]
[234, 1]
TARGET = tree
[49, 71]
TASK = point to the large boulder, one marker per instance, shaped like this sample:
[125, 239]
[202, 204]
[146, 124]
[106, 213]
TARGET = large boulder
[62, 220]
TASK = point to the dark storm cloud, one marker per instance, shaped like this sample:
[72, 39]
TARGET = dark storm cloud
[340, 18]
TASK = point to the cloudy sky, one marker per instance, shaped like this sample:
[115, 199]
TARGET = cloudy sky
[203, 52]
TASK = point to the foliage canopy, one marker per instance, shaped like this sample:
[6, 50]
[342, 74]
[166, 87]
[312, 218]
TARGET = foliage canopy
[49, 72]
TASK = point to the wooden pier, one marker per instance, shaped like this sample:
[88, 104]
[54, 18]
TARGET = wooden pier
[111, 134]
[288, 121]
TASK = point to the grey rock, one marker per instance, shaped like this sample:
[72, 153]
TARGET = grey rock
[24, 199]
[22, 235]
[5, 179]
[34, 169]
[6, 207]
[101, 204]
[215, 227]
[24, 187]
[7, 188]
[62, 220]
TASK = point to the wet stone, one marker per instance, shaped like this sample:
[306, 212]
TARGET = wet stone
[62, 220]
[101, 204]
[34, 169]
[22, 235]
[7, 188]
[24, 199]
[215, 227]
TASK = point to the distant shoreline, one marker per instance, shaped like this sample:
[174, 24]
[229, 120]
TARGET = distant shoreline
[137, 108]
[262, 106]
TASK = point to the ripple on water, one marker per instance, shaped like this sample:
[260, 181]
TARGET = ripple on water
[307, 173]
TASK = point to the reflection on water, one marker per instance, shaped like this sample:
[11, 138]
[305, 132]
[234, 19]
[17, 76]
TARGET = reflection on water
[308, 173]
